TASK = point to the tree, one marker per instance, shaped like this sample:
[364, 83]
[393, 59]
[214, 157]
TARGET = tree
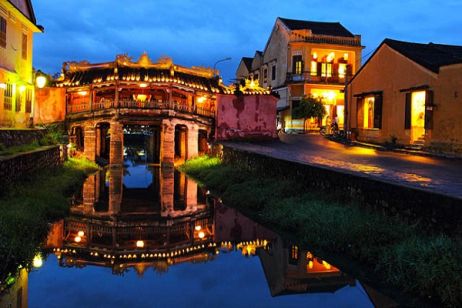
[309, 107]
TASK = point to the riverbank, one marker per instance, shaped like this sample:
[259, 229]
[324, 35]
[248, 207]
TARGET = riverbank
[27, 207]
[403, 256]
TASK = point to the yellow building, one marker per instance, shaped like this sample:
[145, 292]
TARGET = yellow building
[17, 26]
[306, 58]
[410, 94]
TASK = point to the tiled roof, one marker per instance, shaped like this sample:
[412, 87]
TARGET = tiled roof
[139, 74]
[317, 27]
[431, 56]
[247, 62]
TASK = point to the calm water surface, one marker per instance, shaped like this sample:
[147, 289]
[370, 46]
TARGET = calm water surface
[146, 237]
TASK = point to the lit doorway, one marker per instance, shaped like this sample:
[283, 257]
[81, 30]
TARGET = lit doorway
[418, 116]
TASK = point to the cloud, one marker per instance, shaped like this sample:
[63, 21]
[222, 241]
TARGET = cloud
[200, 33]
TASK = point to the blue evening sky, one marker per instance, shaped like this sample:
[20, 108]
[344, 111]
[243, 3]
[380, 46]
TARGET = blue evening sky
[202, 32]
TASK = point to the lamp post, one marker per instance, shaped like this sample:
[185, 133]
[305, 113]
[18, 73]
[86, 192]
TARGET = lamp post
[221, 60]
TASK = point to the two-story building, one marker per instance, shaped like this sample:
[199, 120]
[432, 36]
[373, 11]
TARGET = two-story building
[17, 26]
[306, 58]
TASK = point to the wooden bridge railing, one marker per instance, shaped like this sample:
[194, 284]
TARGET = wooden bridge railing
[132, 104]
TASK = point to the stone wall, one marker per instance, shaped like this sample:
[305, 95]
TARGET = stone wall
[13, 137]
[22, 165]
[245, 117]
[436, 211]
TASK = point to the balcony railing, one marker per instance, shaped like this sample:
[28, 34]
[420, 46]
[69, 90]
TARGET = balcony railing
[308, 77]
[132, 104]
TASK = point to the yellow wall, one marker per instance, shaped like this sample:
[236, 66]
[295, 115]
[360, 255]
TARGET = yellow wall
[390, 72]
[13, 68]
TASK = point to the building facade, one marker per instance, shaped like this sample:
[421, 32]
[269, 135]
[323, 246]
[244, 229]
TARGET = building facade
[409, 93]
[17, 26]
[305, 58]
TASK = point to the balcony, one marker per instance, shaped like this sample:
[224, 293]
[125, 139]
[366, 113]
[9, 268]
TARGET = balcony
[308, 77]
[132, 104]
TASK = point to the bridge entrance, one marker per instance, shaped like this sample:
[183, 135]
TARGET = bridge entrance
[142, 143]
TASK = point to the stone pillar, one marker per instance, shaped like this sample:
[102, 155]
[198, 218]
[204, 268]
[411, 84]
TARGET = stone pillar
[116, 149]
[89, 194]
[89, 141]
[167, 188]
[98, 133]
[115, 189]
[191, 195]
[193, 141]
[167, 150]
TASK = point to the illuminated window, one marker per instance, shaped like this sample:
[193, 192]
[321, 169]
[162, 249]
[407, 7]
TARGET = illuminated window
[8, 97]
[24, 46]
[297, 65]
[370, 111]
[326, 69]
[2, 32]
[342, 70]
[314, 68]
[293, 254]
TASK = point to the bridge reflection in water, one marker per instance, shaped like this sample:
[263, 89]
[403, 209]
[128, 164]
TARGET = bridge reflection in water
[142, 217]
[145, 217]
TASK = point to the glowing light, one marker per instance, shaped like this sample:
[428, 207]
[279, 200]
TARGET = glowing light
[81, 233]
[326, 265]
[37, 261]
[82, 93]
[201, 99]
[331, 57]
[77, 239]
[310, 264]
[2, 85]
[201, 234]
[315, 55]
[141, 97]
[41, 82]
[198, 228]
[140, 244]
[143, 85]
[22, 88]
[345, 56]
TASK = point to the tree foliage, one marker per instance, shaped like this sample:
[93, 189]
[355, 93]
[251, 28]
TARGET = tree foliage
[309, 107]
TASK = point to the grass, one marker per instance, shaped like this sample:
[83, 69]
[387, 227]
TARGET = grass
[401, 255]
[28, 207]
[52, 136]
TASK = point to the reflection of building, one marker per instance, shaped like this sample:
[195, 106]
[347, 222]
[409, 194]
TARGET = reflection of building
[17, 26]
[409, 93]
[304, 58]
[16, 296]
[161, 218]
[291, 269]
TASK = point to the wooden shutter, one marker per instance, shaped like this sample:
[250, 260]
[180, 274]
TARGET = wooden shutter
[378, 111]
[407, 111]
[429, 110]
[360, 112]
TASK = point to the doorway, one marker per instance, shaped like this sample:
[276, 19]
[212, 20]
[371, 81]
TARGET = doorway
[418, 99]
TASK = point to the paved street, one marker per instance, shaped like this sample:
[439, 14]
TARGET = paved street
[438, 175]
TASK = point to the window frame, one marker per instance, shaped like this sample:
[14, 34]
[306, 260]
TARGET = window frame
[3, 31]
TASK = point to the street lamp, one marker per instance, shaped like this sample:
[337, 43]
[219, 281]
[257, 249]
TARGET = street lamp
[40, 79]
[221, 60]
